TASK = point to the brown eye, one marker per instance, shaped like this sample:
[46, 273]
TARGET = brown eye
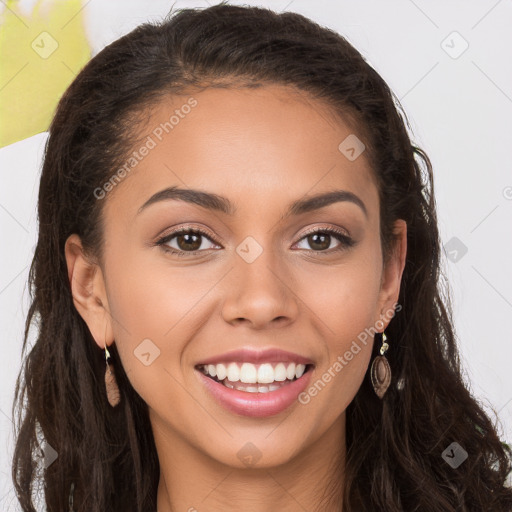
[320, 240]
[188, 241]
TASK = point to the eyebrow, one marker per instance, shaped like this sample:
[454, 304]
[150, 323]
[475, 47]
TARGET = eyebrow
[221, 204]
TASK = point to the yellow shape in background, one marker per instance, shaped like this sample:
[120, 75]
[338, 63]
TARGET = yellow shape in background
[40, 55]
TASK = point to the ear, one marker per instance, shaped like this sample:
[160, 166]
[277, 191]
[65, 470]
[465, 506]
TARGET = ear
[89, 292]
[392, 273]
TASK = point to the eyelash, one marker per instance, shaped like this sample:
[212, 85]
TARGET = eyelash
[345, 241]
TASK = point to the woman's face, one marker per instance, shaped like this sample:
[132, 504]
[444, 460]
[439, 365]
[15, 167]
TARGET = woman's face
[257, 280]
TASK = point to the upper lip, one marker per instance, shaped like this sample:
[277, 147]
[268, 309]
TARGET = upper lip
[250, 355]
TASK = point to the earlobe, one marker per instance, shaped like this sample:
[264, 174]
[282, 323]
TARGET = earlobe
[89, 292]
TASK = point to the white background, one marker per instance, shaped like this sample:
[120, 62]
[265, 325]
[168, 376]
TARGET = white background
[460, 110]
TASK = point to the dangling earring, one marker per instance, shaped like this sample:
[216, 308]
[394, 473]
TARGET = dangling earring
[113, 394]
[381, 371]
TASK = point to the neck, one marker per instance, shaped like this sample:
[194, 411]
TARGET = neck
[192, 481]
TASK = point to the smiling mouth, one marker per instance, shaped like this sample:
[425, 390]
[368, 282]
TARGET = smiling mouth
[262, 378]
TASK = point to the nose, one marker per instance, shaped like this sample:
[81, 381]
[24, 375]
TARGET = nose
[260, 294]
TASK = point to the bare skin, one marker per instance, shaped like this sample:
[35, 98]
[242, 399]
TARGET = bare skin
[262, 149]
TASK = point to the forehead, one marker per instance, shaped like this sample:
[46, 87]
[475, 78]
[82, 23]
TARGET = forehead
[256, 146]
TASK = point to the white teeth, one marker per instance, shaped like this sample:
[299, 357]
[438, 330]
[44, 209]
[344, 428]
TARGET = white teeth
[233, 372]
[290, 371]
[280, 372]
[265, 373]
[220, 370]
[261, 388]
[249, 373]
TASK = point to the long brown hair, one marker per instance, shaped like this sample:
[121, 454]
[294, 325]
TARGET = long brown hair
[394, 445]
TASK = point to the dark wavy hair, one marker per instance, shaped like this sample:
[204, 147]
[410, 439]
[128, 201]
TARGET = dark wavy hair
[394, 445]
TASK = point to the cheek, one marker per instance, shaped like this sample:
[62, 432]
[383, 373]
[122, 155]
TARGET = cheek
[150, 295]
[343, 300]
[346, 315]
[156, 310]
[343, 297]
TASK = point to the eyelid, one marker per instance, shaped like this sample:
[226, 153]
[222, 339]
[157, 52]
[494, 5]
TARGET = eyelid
[340, 231]
[204, 231]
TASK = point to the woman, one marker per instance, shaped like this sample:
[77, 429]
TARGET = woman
[237, 287]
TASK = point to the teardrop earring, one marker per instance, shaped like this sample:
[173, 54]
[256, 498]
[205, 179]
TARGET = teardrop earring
[381, 371]
[113, 394]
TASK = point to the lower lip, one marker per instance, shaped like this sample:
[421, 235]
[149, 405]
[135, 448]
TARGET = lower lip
[257, 405]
